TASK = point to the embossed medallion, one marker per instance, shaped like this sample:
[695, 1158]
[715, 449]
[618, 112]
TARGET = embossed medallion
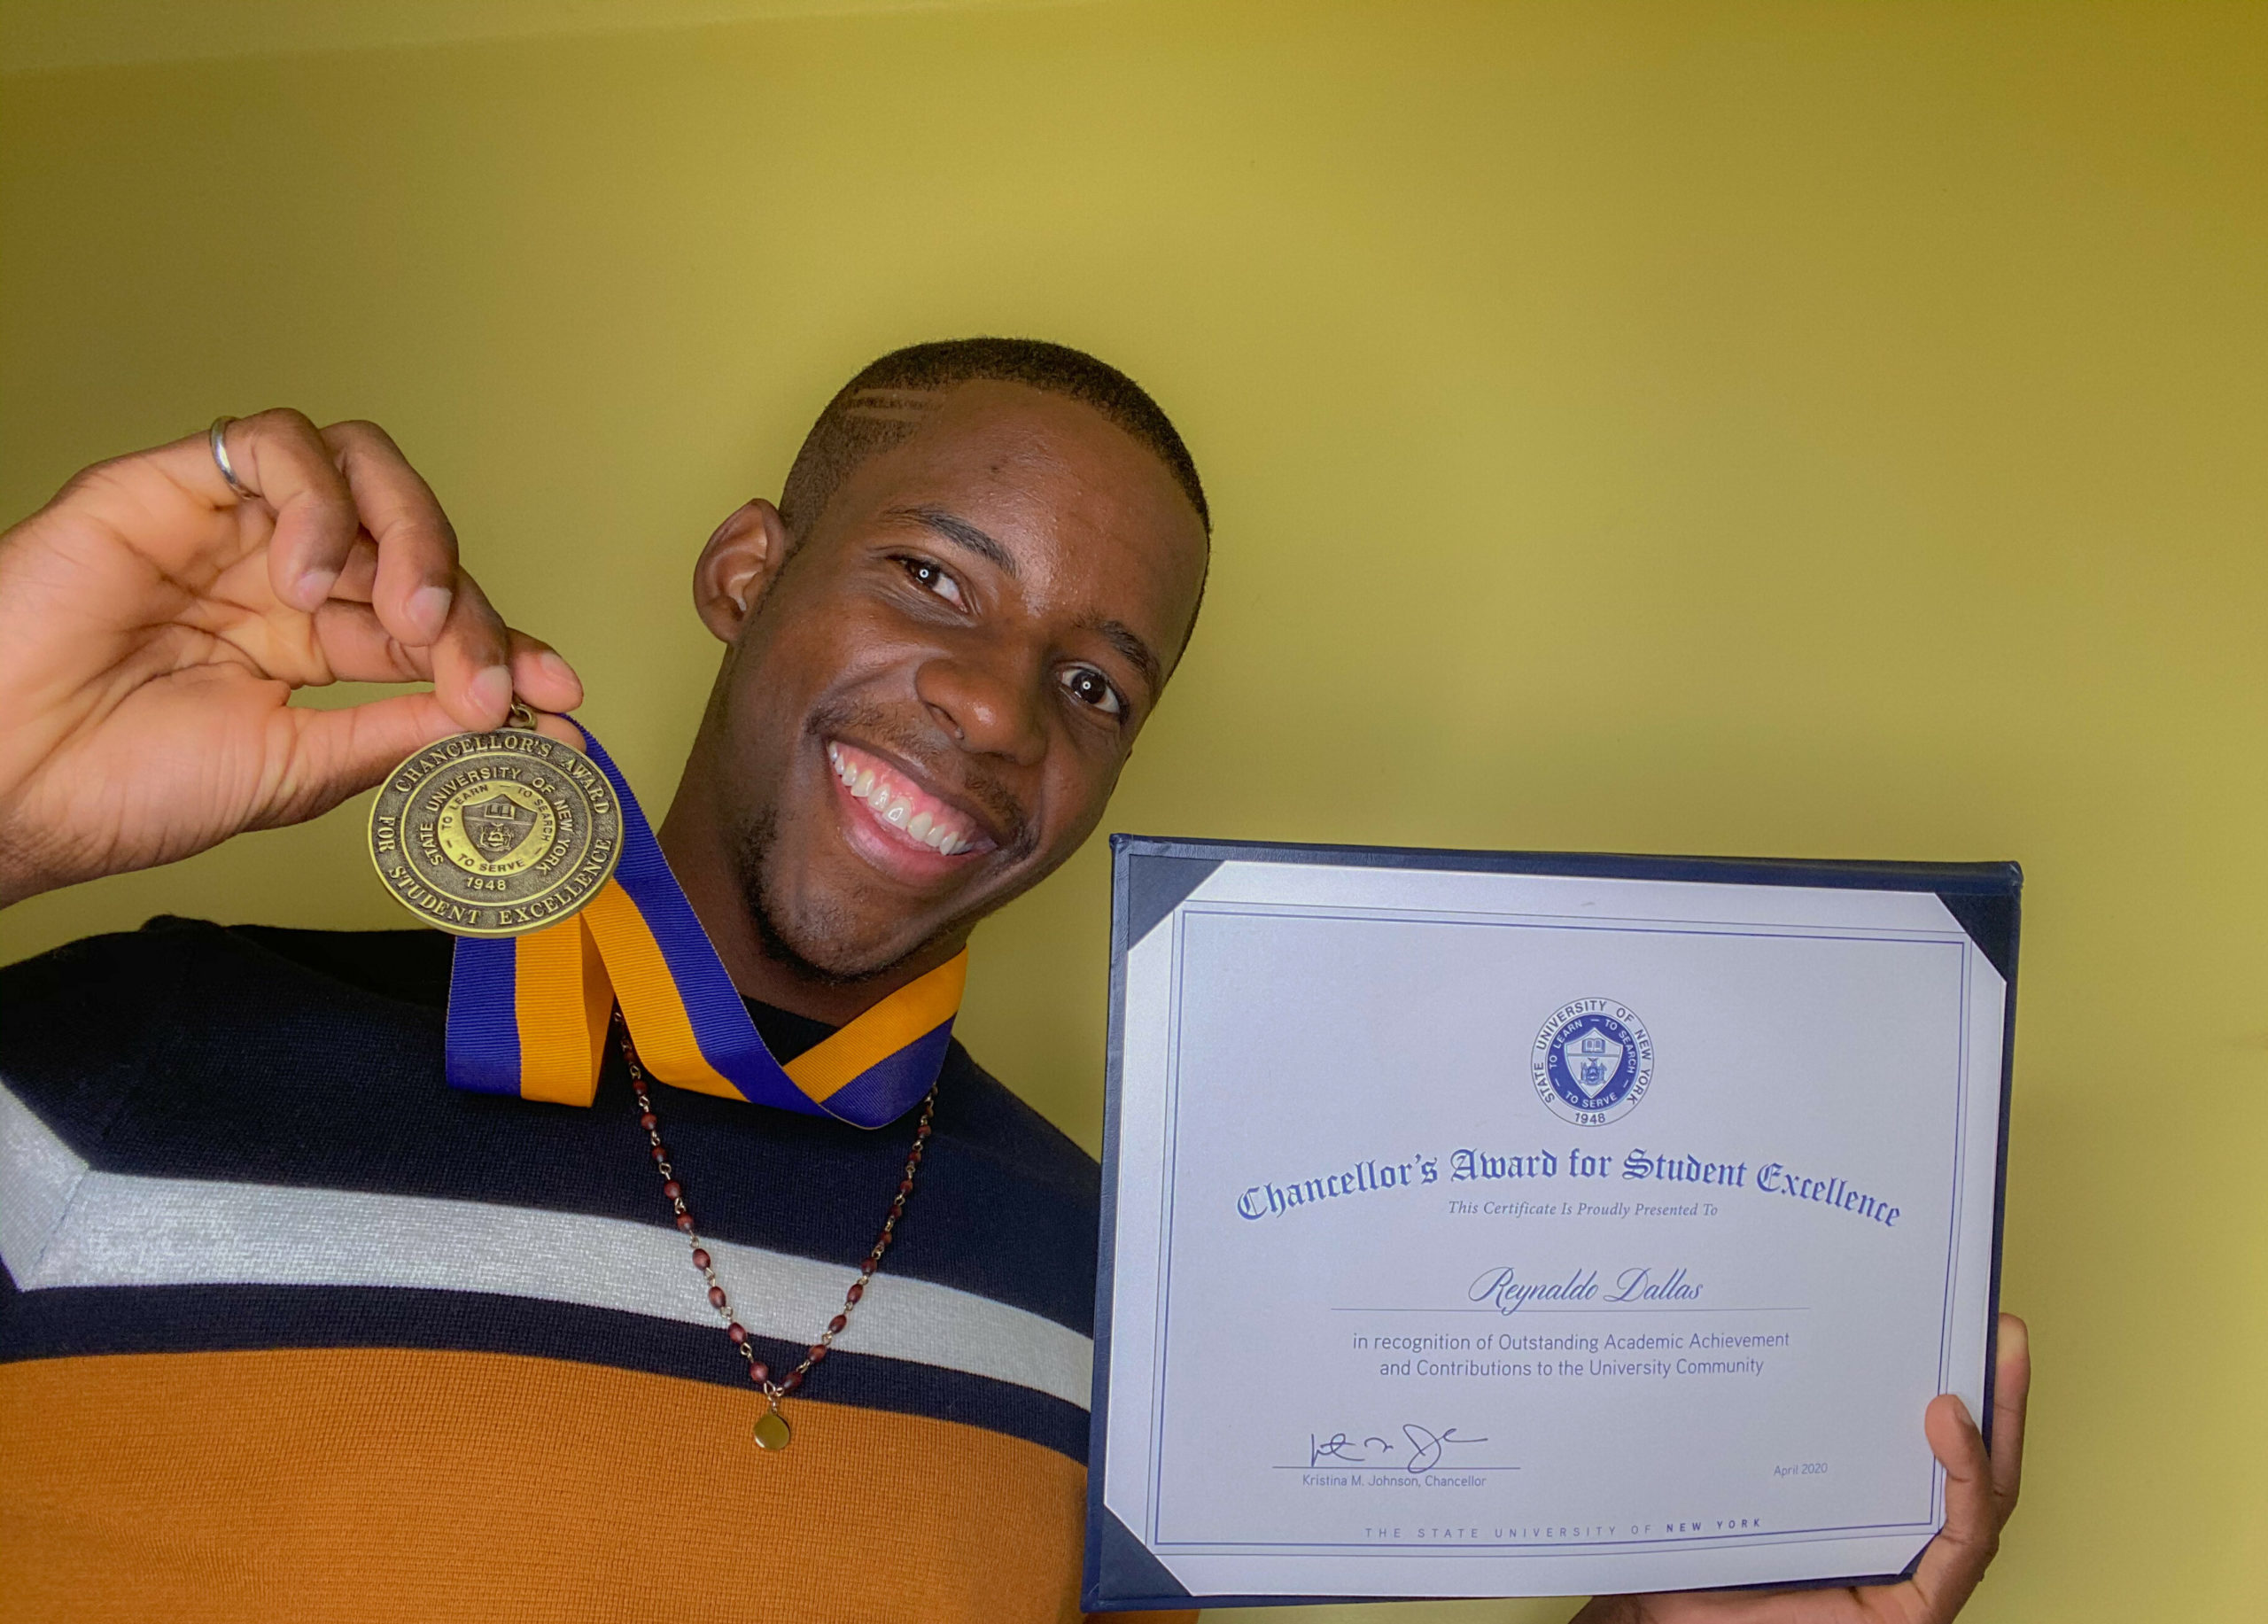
[496, 834]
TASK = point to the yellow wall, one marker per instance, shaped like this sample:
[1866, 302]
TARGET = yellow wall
[1813, 429]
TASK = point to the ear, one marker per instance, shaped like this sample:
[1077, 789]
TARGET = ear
[738, 567]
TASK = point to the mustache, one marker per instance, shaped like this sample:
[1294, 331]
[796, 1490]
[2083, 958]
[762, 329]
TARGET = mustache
[952, 771]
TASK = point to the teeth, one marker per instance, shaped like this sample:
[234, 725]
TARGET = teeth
[879, 791]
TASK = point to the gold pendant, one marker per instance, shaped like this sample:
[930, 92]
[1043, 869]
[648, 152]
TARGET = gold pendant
[772, 1430]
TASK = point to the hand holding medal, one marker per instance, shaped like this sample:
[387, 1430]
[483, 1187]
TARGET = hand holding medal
[157, 615]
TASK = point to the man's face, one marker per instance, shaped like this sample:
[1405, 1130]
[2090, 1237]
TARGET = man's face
[928, 709]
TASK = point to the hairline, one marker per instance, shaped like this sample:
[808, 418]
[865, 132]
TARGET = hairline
[893, 428]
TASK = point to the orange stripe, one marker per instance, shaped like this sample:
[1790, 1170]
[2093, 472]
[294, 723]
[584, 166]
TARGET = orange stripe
[650, 1000]
[560, 1001]
[367, 1485]
[919, 1006]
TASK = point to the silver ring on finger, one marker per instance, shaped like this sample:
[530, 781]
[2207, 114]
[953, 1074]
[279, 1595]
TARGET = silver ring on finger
[218, 436]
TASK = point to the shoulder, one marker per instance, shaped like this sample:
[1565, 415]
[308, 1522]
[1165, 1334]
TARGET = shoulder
[169, 955]
[205, 1007]
[990, 1117]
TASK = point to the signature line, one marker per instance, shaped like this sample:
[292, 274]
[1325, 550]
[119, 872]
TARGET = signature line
[1331, 1465]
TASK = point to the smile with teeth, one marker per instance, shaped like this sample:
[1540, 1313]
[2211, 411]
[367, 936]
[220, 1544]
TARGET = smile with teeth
[900, 804]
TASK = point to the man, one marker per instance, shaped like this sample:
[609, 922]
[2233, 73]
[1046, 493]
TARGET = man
[291, 1327]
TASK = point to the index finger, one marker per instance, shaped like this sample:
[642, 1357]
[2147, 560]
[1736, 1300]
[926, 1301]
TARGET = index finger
[417, 545]
[280, 457]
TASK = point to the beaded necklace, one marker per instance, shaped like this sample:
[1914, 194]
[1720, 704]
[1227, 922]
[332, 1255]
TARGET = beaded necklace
[771, 1429]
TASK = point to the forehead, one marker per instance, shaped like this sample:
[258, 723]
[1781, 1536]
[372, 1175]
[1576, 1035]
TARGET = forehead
[1093, 520]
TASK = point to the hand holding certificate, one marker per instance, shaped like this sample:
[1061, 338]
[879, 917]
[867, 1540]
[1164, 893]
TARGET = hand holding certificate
[1980, 1493]
[1488, 1225]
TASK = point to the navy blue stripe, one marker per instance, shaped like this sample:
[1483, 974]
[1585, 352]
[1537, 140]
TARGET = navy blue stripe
[68, 1321]
[484, 1053]
[879, 1095]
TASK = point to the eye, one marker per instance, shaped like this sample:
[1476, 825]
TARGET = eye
[932, 577]
[1091, 688]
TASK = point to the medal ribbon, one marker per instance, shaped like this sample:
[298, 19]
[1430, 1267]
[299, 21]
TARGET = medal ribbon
[528, 1015]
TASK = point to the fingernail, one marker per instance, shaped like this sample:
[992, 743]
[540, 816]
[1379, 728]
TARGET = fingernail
[556, 667]
[1967, 1420]
[315, 585]
[492, 690]
[428, 609]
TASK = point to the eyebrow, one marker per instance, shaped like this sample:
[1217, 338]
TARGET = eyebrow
[1129, 643]
[958, 530]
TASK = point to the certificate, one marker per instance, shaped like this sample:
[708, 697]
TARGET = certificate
[1479, 1224]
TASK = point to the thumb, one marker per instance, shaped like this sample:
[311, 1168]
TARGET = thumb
[338, 754]
[1956, 1560]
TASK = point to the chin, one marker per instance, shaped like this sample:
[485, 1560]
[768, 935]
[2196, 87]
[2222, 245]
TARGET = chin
[826, 955]
[821, 932]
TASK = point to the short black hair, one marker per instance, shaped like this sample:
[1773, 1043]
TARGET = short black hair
[888, 399]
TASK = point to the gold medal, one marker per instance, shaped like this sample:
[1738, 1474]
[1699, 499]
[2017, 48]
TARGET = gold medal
[496, 834]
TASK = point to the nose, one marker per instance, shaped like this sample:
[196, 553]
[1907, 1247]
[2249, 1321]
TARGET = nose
[989, 709]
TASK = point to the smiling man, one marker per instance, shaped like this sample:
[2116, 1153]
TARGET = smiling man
[290, 1326]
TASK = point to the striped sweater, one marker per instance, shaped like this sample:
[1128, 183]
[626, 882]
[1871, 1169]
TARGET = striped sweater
[289, 1328]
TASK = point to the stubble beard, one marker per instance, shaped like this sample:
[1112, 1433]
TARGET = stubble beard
[800, 948]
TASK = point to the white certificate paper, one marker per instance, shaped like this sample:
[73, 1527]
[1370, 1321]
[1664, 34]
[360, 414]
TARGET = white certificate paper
[1482, 1224]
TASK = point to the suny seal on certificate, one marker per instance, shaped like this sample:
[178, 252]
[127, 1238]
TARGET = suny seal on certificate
[1593, 1062]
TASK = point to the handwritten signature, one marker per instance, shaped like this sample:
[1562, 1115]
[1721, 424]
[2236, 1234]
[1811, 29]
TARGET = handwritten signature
[1425, 1447]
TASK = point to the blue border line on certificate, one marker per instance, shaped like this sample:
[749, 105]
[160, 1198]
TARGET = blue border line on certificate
[1166, 1164]
[1952, 1227]
[1951, 937]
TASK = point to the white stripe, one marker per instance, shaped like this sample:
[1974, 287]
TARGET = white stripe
[64, 1224]
[38, 1174]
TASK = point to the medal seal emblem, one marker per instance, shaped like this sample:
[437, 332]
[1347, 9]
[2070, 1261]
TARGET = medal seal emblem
[496, 834]
[1592, 1063]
